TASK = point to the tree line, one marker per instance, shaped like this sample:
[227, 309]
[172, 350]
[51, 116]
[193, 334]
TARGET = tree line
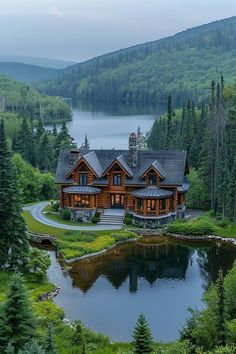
[207, 132]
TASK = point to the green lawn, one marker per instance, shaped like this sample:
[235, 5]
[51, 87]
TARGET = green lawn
[36, 226]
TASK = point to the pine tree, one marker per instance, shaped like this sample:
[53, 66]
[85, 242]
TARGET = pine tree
[142, 337]
[32, 348]
[168, 141]
[17, 322]
[14, 244]
[10, 349]
[63, 139]
[39, 131]
[45, 158]
[49, 345]
[86, 142]
[54, 130]
[25, 142]
[220, 309]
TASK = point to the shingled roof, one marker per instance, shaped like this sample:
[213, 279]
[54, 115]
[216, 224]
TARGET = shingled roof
[171, 165]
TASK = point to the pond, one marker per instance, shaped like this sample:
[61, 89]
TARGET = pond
[157, 277]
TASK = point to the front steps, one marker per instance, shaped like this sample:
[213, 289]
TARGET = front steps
[112, 217]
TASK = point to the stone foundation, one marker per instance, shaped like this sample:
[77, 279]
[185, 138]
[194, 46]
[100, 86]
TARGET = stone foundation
[152, 223]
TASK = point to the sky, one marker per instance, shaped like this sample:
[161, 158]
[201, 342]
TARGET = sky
[80, 29]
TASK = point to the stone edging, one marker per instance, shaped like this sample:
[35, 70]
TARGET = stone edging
[50, 295]
[230, 240]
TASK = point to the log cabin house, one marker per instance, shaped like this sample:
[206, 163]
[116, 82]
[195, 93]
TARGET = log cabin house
[147, 183]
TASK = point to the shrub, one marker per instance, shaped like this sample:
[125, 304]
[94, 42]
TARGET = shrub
[128, 220]
[66, 214]
[55, 206]
[95, 219]
[123, 236]
[198, 227]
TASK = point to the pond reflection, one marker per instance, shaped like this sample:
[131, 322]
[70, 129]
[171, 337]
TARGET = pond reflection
[158, 277]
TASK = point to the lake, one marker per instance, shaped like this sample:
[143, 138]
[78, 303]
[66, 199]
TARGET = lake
[108, 125]
[158, 277]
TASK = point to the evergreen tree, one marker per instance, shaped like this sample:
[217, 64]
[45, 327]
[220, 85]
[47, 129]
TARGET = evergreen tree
[39, 131]
[32, 348]
[168, 141]
[17, 322]
[14, 244]
[54, 130]
[63, 139]
[45, 157]
[86, 142]
[25, 142]
[49, 345]
[220, 310]
[142, 337]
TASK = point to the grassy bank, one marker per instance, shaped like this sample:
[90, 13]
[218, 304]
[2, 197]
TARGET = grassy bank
[204, 225]
[78, 243]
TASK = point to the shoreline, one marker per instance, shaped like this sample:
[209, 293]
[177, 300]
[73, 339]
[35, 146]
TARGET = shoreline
[204, 238]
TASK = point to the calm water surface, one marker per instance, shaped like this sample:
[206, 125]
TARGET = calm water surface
[108, 126]
[160, 279]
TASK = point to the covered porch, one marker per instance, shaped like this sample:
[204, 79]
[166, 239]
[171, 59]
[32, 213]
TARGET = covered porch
[152, 202]
[81, 197]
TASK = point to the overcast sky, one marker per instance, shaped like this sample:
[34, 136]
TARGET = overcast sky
[80, 29]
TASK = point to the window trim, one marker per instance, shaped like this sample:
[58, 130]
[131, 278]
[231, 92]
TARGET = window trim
[117, 177]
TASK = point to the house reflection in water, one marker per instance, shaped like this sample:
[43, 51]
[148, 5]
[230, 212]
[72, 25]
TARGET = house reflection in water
[133, 261]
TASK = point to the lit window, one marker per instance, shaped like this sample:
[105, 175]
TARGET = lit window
[82, 201]
[117, 179]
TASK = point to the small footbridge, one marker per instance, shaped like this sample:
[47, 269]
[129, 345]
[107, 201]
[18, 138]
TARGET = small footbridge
[44, 240]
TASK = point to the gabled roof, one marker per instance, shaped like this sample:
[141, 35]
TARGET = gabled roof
[92, 162]
[157, 168]
[120, 160]
[172, 163]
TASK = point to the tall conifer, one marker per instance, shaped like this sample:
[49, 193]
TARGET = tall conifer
[14, 244]
[142, 337]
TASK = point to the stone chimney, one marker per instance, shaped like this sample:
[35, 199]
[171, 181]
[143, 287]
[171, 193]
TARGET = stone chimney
[133, 150]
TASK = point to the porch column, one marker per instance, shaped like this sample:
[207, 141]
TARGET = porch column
[157, 207]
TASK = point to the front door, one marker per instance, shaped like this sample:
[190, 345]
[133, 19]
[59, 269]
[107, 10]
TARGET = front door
[117, 201]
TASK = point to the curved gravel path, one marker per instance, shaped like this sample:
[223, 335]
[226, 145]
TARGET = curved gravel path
[36, 211]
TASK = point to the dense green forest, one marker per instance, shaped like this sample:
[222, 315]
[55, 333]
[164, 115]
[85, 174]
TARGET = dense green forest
[21, 99]
[25, 72]
[181, 65]
[208, 134]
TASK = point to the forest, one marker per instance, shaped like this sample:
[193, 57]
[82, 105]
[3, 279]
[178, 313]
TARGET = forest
[22, 100]
[207, 131]
[182, 65]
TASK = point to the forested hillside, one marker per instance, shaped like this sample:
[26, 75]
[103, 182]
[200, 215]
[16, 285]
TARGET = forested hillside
[21, 99]
[25, 72]
[208, 134]
[182, 65]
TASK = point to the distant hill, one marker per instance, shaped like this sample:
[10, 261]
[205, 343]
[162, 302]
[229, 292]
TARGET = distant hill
[44, 62]
[25, 72]
[21, 99]
[182, 65]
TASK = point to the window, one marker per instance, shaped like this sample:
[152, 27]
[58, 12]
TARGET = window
[82, 201]
[152, 180]
[151, 204]
[117, 179]
[140, 204]
[162, 204]
[83, 179]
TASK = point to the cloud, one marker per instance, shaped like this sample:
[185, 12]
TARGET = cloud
[55, 11]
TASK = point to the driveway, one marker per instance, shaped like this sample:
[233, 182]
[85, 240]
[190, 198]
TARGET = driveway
[36, 211]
